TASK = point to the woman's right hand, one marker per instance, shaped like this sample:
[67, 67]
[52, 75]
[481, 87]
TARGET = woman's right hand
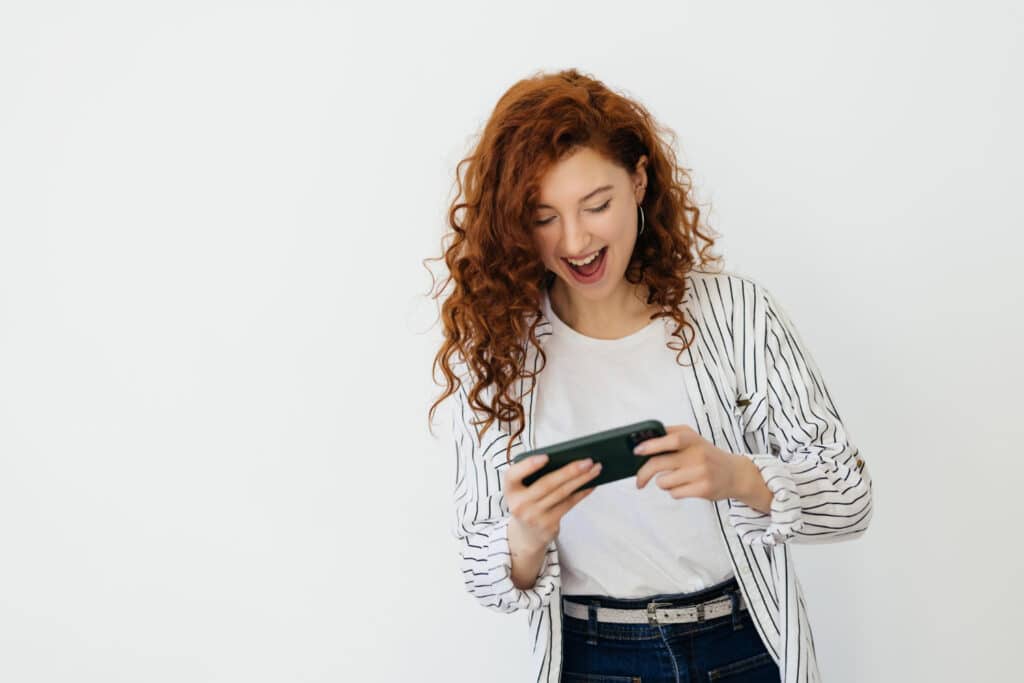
[538, 509]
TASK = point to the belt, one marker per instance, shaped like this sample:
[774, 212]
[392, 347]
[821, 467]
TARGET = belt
[653, 614]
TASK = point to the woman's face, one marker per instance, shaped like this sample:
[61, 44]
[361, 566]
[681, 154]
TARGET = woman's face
[586, 204]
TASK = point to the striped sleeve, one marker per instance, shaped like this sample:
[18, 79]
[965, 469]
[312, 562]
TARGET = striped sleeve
[481, 521]
[821, 486]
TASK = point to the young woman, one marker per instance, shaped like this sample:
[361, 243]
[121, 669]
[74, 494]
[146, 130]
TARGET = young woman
[576, 266]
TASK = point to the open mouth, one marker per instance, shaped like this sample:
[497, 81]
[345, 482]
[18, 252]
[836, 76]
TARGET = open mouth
[590, 270]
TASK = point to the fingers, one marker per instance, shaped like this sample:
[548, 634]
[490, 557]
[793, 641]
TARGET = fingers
[515, 474]
[676, 438]
[571, 480]
[550, 490]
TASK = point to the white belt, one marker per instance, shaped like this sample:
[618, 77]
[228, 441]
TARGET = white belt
[652, 614]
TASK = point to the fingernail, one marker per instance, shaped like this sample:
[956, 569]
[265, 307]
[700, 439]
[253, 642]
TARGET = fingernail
[584, 464]
[639, 449]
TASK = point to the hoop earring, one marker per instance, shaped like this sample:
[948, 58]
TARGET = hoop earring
[641, 220]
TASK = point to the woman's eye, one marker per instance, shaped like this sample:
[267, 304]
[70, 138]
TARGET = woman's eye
[597, 210]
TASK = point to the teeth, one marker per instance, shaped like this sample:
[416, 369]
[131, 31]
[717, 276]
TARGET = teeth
[586, 261]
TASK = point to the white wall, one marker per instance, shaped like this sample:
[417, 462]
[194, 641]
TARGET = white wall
[215, 344]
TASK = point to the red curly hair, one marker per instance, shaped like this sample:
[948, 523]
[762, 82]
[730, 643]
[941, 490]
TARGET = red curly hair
[492, 259]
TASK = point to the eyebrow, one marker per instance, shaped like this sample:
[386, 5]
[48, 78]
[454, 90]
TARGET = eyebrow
[583, 198]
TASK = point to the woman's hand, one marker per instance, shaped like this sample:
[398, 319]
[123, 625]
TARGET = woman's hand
[695, 467]
[538, 509]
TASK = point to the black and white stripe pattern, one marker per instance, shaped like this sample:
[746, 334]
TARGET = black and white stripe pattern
[755, 390]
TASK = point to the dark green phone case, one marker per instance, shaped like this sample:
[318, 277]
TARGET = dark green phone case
[612, 447]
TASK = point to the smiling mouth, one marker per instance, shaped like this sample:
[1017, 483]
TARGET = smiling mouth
[591, 268]
[566, 259]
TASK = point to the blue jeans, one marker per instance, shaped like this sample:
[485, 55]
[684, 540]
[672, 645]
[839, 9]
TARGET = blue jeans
[725, 648]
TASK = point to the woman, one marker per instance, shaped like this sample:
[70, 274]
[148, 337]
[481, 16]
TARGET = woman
[576, 266]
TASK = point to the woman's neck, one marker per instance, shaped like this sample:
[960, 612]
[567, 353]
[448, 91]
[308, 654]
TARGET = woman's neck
[621, 313]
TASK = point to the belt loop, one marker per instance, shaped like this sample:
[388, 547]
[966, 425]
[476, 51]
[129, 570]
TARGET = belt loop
[734, 599]
[592, 623]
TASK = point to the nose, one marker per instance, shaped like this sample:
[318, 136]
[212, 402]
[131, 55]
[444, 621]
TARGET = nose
[576, 241]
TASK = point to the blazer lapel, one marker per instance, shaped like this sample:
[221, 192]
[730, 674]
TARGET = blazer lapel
[703, 383]
[532, 361]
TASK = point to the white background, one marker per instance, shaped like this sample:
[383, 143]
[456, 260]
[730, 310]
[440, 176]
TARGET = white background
[216, 344]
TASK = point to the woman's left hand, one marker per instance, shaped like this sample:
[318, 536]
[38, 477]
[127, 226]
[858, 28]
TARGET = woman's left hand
[693, 466]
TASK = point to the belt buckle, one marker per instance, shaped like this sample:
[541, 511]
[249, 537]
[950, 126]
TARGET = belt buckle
[652, 615]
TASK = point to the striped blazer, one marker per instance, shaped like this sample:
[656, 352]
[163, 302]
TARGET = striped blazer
[756, 391]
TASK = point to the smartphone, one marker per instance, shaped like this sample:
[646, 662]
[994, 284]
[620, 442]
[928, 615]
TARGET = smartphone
[612, 447]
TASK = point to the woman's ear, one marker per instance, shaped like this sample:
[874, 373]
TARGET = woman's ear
[640, 179]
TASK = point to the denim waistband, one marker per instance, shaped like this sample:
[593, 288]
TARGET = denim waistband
[673, 599]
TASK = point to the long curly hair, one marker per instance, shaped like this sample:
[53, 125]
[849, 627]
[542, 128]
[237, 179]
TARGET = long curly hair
[497, 273]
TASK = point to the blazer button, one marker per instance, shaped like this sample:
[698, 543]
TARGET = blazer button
[860, 464]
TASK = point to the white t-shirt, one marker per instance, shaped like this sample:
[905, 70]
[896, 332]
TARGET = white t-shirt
[620, 541]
